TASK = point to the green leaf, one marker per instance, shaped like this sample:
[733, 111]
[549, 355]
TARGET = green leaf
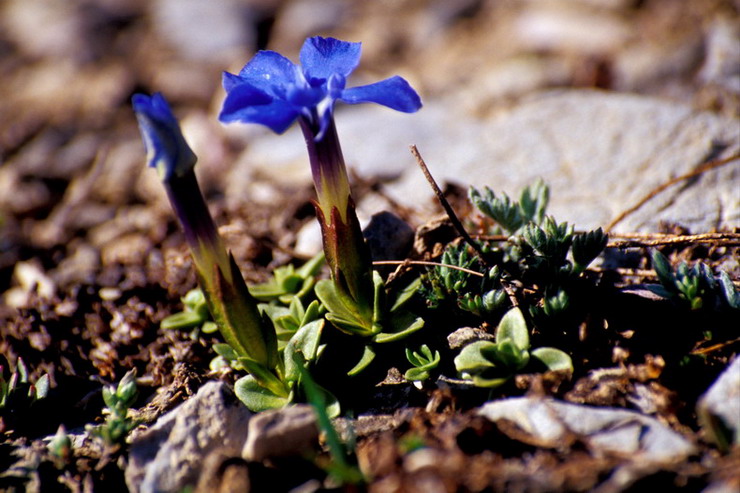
[226, 351]
[342, 312]
[514, 328]
[416, 374]
[554, 359]
[256, 397]
[664, 272]
[729, 292]
[182, 320]
[471, 358]
[406, 294]
[265, 377]
[402, 325]
[42, 387]
[311, 267]
[368, 355]
[306, 341]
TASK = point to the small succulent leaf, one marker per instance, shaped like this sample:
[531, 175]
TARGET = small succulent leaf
[182, 320]
[402, 324]
[311, 267]
[416, 374]
[659, 290]
[406, 294]
[266, 291]
[256, 397]
[264, 377]
[413, 357]
[341, 311]
[42, 387]
[472, 359]
[663, 270]
[306, 341]
[296, 310]
[729, 291]
[109, 397]
[586, 247]
[489, 383]
[21, 370]
[554, 359]
[209, 327]
[368, 355]
[513, 327]
[225, 351]
[312, 312]
[428, 356]
[707, 276]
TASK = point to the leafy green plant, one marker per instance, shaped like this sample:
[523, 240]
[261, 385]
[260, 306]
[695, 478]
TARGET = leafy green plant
[491, 364]
[453, 282]
[423, 361]
[287, 282]
[694, 287]
[18, 392]
[513, 215]
[392, 321]
[195, 314]
[118, 400]
[60, 447]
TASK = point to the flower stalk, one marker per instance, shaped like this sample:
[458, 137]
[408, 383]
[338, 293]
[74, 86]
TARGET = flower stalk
[229, 301]
[347, 254]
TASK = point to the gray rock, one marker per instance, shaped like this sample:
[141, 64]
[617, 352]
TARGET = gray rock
[388, 236]
[281, 432]
[465, 335]
[169, 456]
[605, 431]
[719, 408]
[204, 31]
[599, 152]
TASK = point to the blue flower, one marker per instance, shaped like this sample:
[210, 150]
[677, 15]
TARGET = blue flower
[273, 91]
[166, 148]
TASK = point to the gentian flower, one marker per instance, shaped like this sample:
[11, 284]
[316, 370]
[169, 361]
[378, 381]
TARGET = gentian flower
[233, 308]
[273, 91]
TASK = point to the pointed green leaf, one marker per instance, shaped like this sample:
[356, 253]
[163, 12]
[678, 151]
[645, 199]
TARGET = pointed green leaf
[368, 355]
[256, 397]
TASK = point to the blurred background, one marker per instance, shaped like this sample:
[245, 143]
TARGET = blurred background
[72, 177]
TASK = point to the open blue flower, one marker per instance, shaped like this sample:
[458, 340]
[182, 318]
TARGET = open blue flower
[273, 91]
[166, 148]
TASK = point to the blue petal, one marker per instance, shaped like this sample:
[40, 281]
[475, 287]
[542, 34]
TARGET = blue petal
[166, 147]
[246, 104]
[269, 71]
[394, 93]
[322, 57]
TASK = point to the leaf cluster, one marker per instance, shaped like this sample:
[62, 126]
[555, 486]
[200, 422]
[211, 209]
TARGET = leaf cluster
[423, 362]
[118, 400]
[446, 284]
[17, 392]
[694, 287]
[491, 364]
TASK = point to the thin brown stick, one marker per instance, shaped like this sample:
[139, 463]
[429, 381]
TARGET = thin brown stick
[718, 239]
[642, 240]
[427, 263]
[446, 205]
[696, 172]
